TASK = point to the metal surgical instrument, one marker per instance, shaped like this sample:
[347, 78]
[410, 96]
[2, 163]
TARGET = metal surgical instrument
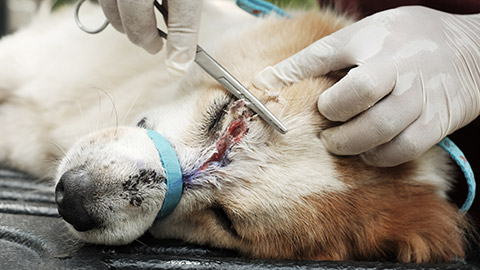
[212, 67]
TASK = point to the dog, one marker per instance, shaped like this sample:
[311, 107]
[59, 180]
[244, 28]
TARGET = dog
[76, 109]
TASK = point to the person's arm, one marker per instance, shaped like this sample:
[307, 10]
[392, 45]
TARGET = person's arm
[417, 80]
[136, 18]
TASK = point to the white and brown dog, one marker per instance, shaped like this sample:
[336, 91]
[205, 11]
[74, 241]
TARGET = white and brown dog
[245, 186]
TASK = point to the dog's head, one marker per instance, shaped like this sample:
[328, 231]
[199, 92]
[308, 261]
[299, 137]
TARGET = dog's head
[111, 184]
[250, 188]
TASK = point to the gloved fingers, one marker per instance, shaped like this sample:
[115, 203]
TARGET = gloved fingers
[139, 23]
[318, 59]
[183, 26]
[376, 126]
[413, 142]
[110, 9]
[360, 89]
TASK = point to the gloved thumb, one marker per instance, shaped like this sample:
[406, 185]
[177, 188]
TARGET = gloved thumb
[318, 59]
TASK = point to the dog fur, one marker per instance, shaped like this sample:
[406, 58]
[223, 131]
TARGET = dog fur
[86, 101]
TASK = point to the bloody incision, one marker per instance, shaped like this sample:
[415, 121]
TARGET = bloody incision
[233, 134]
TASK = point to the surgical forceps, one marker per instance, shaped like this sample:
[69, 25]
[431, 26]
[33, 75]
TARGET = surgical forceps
[212, 67]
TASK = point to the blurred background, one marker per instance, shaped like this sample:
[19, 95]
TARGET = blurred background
[17, 13]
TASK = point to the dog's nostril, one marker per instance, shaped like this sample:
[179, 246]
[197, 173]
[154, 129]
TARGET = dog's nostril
[71, 194]
[59, 192]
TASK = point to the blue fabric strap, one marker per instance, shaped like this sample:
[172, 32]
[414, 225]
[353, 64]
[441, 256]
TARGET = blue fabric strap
[260, 8]
[462, 162]
[173, 173]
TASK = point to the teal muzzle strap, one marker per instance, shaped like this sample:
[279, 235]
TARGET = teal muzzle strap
[457, 155]
[173, 173]
[260, 8]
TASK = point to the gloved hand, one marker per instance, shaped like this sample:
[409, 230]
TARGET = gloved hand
[417, 80]
[136, 18]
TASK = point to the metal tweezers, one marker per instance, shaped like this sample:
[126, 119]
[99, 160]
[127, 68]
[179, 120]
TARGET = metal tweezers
[213, 68]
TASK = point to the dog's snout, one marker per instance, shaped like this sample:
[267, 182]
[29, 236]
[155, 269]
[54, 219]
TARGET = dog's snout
[71, 194]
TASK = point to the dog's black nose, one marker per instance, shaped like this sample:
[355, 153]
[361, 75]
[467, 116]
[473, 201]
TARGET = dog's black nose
[71, 194]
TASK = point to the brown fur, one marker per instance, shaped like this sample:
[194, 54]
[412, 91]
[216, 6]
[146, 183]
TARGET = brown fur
[384, 214]
[384, 219]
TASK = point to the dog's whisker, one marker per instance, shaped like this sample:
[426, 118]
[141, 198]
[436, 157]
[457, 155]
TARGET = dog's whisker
[143, 244]
[56, 145]
[112, 101]
[82, 115]
[130, 108]
[58, 159]
[99, 112]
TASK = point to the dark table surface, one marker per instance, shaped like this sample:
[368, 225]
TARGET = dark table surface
[33, 236]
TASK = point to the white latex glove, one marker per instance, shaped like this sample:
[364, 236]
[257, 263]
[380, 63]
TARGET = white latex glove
[136, 18]
[417, 80]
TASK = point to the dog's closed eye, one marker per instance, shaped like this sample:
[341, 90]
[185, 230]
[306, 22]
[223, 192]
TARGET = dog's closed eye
[215, 114]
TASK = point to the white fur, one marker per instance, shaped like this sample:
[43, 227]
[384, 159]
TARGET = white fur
[92, 82]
